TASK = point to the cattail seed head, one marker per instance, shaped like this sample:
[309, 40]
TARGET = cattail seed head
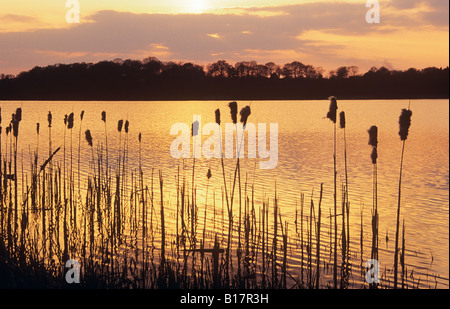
[374, 155]
[15, 125]
[233, 111]
[37, 128]
[81, 115]
[70, 121]
[373, 136]
[245, 113]
[89, 137]
[342, 119]
[333, 109]
[127, 124]
[49, 118]
[194, 128]
[0, 115]
[65, 119]
[19, 114]
[120, 125]
[208, 175]
[140, 137]
[404, 122]
[8, 129]
[104, 116]
[218, 116]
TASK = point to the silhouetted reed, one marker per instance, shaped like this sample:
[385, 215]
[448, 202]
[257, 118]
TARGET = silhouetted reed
[233, 111]
[404, 124]
[130, 243]
[373, 141]
[332, 115]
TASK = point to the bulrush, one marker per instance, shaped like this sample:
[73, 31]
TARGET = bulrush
[373, 141]
[19, 114]
[373, 136]
[70, 121]
[404, 122]
[342, 119]
[208, 175]
[127, 124]
[140, 137]
[81, 115]
[332, 115]
[245, 113]
[89, 137]
[374, 155]
[49, 119]
[218, 116]
[120, 125]
[15, 125]
[37, 128]
[65, 119]
[333, 109]
[194, 128]
[104, 116]
[233, 111]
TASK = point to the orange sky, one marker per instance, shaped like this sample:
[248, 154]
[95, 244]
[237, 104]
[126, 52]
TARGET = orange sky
[327, 34]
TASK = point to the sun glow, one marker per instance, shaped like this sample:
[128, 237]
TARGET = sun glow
[195, 6]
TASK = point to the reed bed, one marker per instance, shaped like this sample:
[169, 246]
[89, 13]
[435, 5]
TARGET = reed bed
[126, 232]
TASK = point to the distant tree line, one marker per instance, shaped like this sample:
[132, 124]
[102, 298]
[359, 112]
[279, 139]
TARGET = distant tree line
[152, 79]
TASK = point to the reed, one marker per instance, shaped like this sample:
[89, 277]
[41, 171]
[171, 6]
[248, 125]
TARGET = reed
[373, 141]
[144, 252]
[332, 115]
[404, 124]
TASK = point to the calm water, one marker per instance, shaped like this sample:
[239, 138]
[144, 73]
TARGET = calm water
[305, 160]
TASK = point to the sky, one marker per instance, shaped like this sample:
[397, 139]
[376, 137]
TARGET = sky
[322, 33]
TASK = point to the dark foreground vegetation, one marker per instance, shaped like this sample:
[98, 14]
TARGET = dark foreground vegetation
[152, 79]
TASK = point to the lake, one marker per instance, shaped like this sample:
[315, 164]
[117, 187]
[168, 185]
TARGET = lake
[305, 161]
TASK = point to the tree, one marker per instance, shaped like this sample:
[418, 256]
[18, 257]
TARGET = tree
[295, 69]
[220, 68]
[273, 70]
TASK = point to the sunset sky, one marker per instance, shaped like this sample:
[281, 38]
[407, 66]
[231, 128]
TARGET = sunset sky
[323, 33]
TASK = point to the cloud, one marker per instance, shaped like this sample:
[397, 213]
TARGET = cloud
[13, 18]
[315, 33]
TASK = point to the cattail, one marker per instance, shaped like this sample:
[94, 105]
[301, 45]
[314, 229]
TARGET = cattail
[8, 129]
[104, 116]
[218, 116]
[89, 137]
[37, 128]
[70, 121]
[126, 126]
[15, 125]
[342, 119]
[65, 119]
[245, 112]
[120, 125]
[373, 136]
[194, 128]
[374, 155]
[332, 110]
[19, 114]
[0, 115]
[82, 115]
[140, 137]
[233, 111]
[405, 123]
[209, 173]
[49, 118]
